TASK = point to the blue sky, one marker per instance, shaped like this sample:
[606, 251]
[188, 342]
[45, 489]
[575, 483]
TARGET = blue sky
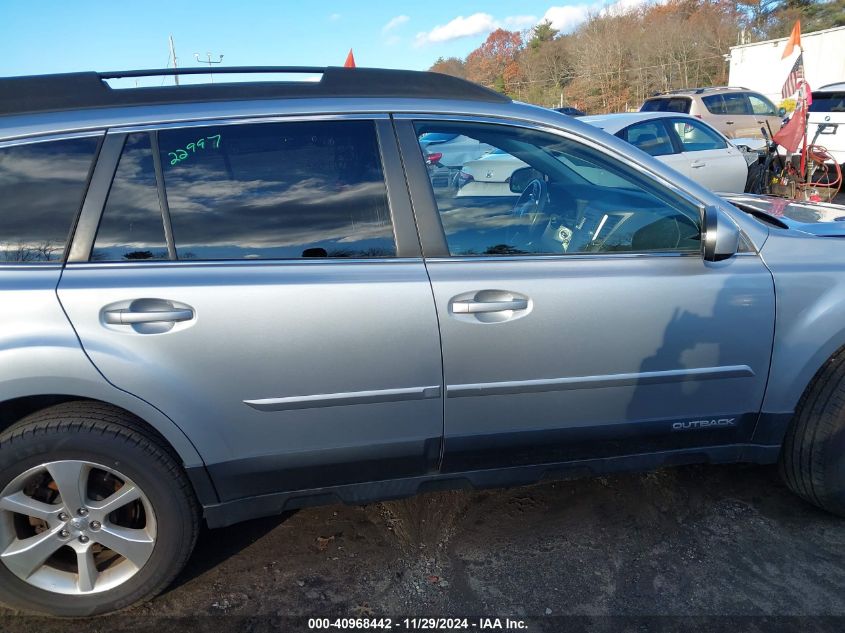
[42, 36]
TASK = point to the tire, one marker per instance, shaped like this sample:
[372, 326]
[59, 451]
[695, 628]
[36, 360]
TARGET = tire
[812, 459]
[756, 175]
[105, 451]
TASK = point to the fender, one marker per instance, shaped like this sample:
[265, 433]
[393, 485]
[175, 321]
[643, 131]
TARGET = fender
[809, 275]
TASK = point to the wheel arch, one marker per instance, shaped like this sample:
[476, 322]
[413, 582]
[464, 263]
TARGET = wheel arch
[16, 404]
[788, 386]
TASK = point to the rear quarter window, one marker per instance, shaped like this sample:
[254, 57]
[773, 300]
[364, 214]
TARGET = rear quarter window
[41, 190]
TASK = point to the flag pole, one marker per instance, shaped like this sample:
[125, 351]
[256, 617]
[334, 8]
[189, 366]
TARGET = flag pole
[806, 123]
[805, 109]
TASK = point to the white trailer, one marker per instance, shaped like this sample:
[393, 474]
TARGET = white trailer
[759, 66]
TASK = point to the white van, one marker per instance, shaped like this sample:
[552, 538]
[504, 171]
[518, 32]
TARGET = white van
[827, 120]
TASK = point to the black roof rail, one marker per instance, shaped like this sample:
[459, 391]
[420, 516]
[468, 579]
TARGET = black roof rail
[698, 91]
[223, 70]
[71, 91]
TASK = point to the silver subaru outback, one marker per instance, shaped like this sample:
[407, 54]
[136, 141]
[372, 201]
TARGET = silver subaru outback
[219, 302]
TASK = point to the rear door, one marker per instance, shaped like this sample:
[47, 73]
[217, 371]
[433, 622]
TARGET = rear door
[730, 113]
[713, 162]
[765, 113]
[261, 283]
[580, 320]
[739, 117]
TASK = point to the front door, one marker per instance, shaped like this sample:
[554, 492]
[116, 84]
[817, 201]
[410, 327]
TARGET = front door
[268, 295]
[654, 138]
[578, 317]
[713, 163]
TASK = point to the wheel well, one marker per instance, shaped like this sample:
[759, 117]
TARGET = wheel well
[773, 427]
[12, 411]
[18, 408]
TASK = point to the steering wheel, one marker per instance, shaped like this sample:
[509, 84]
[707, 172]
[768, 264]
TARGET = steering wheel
[531, 202]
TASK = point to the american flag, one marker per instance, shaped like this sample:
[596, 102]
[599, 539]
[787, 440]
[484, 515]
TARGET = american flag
[794, 79]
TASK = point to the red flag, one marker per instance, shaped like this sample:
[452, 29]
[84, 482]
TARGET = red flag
[794, 40]
[791, 135]
[350, 60]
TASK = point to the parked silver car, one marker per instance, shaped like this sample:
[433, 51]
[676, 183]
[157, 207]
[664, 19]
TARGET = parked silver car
[225, 301]
[683, 142]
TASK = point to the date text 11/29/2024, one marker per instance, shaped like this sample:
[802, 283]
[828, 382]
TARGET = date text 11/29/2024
[418, 624]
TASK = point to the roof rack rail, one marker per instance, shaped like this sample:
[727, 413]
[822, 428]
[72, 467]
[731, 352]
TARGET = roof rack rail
[71, 91]
[699, 91]
[224, 70]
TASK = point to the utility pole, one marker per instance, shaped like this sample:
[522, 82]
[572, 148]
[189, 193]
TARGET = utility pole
[173, 57]
[209, 61]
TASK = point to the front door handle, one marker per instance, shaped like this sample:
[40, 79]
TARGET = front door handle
[130, 317]
[478, 307]
[698, 164]
[729, 122]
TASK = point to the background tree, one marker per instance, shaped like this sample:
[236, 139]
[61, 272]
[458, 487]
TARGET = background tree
[450, 66]
[618, 57]
[494, 63]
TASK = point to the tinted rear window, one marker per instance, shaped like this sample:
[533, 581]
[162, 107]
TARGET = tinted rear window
[668, 104]
[728, 103]
[41, 190]
[277, 191]
[828, 102]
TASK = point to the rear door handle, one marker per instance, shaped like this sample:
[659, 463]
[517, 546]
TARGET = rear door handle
[729, 122]
[129, 317]
[478, 307]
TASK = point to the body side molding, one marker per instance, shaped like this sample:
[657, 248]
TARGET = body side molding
[596, 382]
[342, 399]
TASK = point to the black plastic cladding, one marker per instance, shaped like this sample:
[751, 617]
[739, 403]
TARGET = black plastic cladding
[71, 91]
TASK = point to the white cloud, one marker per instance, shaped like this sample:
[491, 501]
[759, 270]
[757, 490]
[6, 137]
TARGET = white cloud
[568, 17]
[394, 22]
[565, 19]
[475, 24]
[520, 21]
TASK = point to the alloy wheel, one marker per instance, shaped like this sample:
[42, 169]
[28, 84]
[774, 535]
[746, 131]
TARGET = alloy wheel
[75, 527]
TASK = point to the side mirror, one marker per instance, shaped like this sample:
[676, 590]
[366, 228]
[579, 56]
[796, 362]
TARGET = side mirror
[721, 236]
[781, 112]
[520, 178]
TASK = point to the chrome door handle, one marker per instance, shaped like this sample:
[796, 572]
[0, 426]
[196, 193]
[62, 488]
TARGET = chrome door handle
[697, 164]
[129, 317]
[477, 307]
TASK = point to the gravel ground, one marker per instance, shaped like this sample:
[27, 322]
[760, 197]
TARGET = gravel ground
[690, 541]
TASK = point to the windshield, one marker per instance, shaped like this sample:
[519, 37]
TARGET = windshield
[437, 137]
[828, 102]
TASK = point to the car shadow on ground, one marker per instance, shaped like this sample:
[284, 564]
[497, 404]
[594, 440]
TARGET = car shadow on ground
[214, 547]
